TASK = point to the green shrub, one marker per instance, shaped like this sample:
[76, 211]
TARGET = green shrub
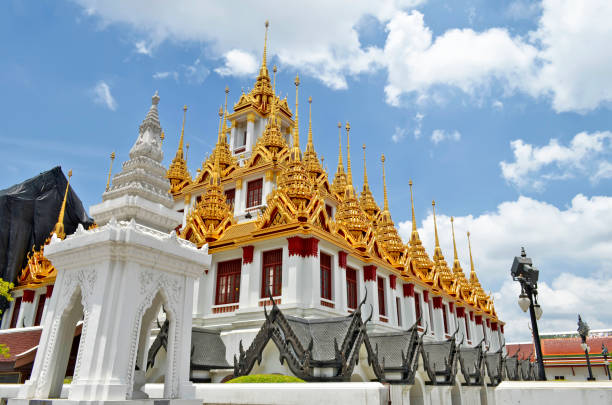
[265, 378]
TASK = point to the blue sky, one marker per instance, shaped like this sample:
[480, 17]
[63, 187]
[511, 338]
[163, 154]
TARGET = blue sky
[500, 111]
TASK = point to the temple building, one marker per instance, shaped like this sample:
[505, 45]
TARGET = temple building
[303, 273]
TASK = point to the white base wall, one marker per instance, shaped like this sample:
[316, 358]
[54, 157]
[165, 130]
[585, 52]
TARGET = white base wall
[553, 392]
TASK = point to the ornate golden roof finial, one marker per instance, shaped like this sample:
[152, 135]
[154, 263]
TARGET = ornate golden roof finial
[365, 171]
[177, 172]
[454, 243]
[472, 271]
[162, 137]
[274, 79]
[310, 144]
[296, 131]
[367, 201]
[59, 225]
[349, 175]
[265, 50]
[433, 205]
[110, 170]
[414, 225]
[386, 203]
[340, 165]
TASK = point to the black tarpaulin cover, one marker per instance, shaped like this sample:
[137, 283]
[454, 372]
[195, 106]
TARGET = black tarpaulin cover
[28, 213]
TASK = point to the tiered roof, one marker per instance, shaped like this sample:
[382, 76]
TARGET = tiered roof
[298, 203]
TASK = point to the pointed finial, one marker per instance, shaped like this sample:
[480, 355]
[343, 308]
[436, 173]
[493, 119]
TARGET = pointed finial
[182, 132]
[186, 152]
[365, 171]
[348, 156]
[454, 243]
[59, 226]
[274, 70]
[340, 165]
[296, 131]
[310, 145]
[110, 170]
[414, 225]
[433, 205]
[471, 260]
[222, 138]
[155, 98]
[265, 50]
[386, 203]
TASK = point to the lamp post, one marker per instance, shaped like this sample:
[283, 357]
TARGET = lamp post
[583, 331]
[604, 353]
[523, 271]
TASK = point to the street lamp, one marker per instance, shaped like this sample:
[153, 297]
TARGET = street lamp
[523, 271]
[583, 331]
[604, 353]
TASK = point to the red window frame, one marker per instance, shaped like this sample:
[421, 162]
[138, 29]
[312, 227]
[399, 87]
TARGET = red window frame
[254, 190]
[16, 308]
[228, 282]
[351, 288]
[40, 308]
[445, 318]
[382, 309]
[417, 308]
[467, 327]
[230, 197]
[326, 281]
[398, 309]
[272, 273]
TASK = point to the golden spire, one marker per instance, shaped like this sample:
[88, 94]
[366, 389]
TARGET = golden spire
[274, 80]
[386, 201]
[340, 165]
[349, 175]
[110, 170]
[222, 137]
[414, 225]
[472, 271]
[313, 166]
[445, 276]
[310, 145]
[433, 205]
[186, 152]
[264, 67]
[59, 225]
[418, 255]
[177, 172]
[296, 132]
[456, 261]
[367, 201]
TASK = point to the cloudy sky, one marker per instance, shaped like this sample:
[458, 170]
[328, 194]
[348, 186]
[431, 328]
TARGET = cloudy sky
[500, 111]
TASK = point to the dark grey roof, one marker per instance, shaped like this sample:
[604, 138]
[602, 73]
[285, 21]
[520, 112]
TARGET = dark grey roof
[208, 350]
[469, 357]
[390, 347]
[525, 365]
[438, 354]
[512, 367]
[322, 332]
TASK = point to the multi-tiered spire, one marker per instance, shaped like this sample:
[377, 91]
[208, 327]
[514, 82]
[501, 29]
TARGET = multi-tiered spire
[387, 234]
[311, 161]
[177, 172]
[462, 288]
[367, 201]
[339, 184]
[421, 263]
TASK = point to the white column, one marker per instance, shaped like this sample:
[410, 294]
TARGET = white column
[461, 323]
[369, 279]
[239, 198]
[409, 306]
[246, 272]
[478, 336]
[268, 185]
[232, 139]
[250, 138]
[339, 280]
[255, 281]
[438, 317]
[290, 277]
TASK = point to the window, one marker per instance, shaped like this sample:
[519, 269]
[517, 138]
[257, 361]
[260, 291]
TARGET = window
[351, 288]
[16, 308]
[272, 273]
[398, 307]
[328, 210]
[228, 282]
[39, 309]
[230, 196]
[382, 310]
[431, 322]
[326, 282]
[242, 138]
[417, 308]
[467, 327]
[254, 193]
[445, 317]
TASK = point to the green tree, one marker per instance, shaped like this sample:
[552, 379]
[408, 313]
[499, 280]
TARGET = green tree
[5, 287]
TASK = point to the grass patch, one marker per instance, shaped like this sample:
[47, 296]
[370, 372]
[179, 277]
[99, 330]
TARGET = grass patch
[265, 378]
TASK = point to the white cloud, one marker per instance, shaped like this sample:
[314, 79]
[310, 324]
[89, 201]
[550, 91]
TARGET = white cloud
[575, 52]
[142, 48]
[398, 135]
[465, 59]
[533, 166]
[418, 118]
[165, 75]
[238, 63]
[498, 105]
[575, 240]
[102, 95]
[307, 36]
[439, 135]
[196, 73]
